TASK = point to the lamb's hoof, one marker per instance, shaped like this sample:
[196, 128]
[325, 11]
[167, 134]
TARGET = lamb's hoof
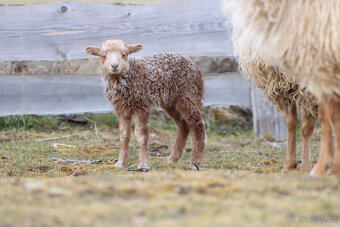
[120, 164]
[193, 166]
[171, 160]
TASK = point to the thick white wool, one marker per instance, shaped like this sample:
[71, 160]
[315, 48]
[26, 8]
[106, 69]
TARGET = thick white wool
[300, 36]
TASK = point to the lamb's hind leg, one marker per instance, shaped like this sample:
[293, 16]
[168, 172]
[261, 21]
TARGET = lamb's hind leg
[124, 133]
[291, 119]
[308, 124]
[142, 136]
[192, 113]
[181, 135]
[326, 153]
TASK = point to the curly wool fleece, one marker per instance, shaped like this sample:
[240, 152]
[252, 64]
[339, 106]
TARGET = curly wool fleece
[135, 85]
[158, 80]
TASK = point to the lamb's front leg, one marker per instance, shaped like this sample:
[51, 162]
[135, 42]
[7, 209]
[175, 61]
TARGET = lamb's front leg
[124, 134]
[142, 135]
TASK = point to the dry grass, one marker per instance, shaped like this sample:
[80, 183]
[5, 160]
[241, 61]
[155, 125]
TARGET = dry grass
[240, 184]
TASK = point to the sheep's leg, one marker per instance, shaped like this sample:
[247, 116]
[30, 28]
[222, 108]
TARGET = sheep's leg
[291, 119]
[336, 126]
[124, 133]
[326, 153]
[191, 113]
[181, 135]
[308, 124]
[142, 135]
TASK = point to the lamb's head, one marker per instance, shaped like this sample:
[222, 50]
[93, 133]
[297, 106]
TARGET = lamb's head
[114, 56]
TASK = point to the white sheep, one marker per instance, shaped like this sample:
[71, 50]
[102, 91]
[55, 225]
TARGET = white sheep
[288, 97]
[302, 37]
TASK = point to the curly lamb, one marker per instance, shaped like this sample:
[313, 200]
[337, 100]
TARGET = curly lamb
[135, 85]
[302, 37]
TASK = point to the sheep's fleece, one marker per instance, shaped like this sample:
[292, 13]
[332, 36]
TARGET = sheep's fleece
[300, 36]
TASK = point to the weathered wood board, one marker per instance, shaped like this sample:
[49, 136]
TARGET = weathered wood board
[230, 89]
[61, 30]
[65, 94]
[265, 118]
[40, 2]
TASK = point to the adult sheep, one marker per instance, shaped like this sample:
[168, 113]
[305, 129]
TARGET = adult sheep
[288, 97]
[303, 38]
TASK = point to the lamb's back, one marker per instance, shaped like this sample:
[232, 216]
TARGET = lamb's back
[157, 80]
[164, 67]
[167, 75]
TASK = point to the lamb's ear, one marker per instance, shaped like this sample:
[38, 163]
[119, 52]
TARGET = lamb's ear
[134, 48]
[92, 50]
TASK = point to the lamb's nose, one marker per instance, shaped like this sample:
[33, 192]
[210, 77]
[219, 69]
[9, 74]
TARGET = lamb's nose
[114, 67]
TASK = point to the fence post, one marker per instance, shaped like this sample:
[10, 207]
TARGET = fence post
[265, 118]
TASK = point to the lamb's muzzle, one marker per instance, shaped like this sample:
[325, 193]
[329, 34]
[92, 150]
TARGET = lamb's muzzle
[135, 85]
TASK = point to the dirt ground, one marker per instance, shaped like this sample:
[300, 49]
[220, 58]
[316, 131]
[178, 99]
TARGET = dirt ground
[240, 183]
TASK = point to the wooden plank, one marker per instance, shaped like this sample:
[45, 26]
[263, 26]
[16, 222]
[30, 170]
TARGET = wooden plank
[265, 118]
[230, 89]
[61, 30]
[45, 94]
[65, 94]
[40, 2]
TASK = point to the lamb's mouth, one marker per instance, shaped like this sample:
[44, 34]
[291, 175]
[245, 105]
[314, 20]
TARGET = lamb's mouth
[116, 73]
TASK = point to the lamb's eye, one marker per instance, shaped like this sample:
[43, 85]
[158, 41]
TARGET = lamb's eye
[104, 56]
[124, 55]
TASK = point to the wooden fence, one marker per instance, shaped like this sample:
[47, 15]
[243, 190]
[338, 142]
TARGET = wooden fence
[60, 31]
[66, 94]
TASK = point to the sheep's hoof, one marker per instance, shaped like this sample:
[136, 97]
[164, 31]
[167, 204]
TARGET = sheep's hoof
[287, 168]
[193, 166]
[120, 164]
[316, 173]
[334, 171]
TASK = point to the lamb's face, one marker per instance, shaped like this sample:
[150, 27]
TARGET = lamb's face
[114, 56]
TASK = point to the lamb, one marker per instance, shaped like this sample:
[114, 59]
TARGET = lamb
[302, 37]
[135, 85]
[288, 97]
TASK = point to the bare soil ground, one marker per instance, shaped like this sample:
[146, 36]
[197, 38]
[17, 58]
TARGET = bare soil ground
[240, 184]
